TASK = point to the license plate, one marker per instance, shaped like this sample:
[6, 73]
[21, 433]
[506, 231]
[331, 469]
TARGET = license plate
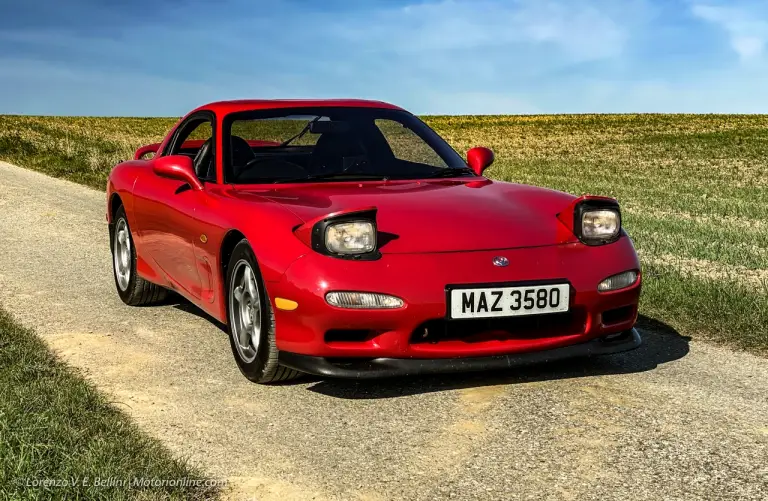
[509, 301]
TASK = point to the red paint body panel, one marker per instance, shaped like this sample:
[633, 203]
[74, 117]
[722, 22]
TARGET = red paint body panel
[420, 280]
[225, 107]
[439, 232]
[438, 215]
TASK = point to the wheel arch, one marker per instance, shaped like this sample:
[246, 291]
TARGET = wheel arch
[265, 366]
[228, 243]
[115, 202]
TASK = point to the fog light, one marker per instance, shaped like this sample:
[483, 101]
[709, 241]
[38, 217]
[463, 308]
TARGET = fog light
[363, 300]
[616, 282]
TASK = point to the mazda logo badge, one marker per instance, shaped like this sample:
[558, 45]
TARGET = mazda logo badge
[500, 261]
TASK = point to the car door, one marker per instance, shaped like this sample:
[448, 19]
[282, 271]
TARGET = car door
[167, 211]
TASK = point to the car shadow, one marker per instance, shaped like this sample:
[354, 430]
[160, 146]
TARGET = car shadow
[661, 344]
[183, 304]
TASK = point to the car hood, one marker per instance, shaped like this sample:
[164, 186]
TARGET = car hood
[434, 215]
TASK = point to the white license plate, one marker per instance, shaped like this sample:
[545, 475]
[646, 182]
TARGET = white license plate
[509, 301]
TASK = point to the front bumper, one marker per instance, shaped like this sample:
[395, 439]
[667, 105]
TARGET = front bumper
[317, 329]
[391, 367]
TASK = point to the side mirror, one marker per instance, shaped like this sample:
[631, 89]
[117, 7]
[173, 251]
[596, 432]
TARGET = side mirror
[479, 158]
[177, 167]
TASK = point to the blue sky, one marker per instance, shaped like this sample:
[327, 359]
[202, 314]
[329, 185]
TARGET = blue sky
[164, 57]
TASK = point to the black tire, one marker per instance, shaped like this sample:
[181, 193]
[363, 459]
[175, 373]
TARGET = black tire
[137, 291]
[264, 367]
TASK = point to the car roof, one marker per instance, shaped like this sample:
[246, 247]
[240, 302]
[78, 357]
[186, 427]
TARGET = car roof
[226, 107]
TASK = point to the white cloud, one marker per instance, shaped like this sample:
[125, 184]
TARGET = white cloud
[437, 56]
[748, 47]
[583, 31]
[748, 32]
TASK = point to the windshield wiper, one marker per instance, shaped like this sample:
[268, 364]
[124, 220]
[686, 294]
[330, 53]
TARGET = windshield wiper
[451, 172]
[347, 176]
[300, 134]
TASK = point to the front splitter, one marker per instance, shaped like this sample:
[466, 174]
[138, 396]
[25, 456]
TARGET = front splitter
[390, 367]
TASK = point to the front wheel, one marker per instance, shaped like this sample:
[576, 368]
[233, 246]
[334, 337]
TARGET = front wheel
[251, 320]
[132, 289]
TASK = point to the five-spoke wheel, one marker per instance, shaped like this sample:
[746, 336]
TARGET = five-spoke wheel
[251, 319]
[122, 254]
[131, 288]
[246, 311]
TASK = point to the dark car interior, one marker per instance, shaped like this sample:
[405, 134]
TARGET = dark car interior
[334, 152]
[341, 149]
[337, 144]
[345, 148]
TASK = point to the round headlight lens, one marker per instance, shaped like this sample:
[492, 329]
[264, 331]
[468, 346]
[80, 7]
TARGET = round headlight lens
[354, 237]
[616, 282]
[600, 224]
[368, 300]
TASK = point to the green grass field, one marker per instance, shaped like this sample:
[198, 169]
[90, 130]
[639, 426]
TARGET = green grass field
[55, 427]
[694, 192]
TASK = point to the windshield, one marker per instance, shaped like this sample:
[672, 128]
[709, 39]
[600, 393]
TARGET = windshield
[327, 144]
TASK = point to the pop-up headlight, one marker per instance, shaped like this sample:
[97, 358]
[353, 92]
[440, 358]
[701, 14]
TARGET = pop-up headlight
[597, 222]
[353, 237]
[347, 234]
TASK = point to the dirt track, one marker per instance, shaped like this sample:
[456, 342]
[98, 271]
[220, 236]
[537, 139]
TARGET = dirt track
[672, 420]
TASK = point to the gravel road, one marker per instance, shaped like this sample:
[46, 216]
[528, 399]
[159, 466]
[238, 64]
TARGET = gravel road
[676, 419]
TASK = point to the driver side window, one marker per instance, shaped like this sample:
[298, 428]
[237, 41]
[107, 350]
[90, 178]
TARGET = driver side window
[195, 140]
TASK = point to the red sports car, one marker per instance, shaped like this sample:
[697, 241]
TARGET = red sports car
[346, 238]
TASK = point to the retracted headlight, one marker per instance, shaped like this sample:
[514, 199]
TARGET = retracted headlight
[597, 222]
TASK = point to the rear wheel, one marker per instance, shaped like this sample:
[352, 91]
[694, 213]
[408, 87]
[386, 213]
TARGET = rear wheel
[132, 289]
[251, 320]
